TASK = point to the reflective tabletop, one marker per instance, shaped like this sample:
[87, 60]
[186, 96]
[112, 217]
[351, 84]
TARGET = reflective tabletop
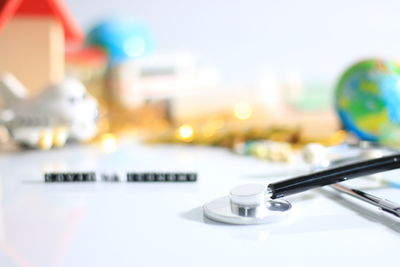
[162, 224]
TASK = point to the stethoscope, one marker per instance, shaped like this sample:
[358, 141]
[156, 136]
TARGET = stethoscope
[259, 204]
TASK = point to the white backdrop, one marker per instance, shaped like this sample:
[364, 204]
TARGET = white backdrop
[315, 39]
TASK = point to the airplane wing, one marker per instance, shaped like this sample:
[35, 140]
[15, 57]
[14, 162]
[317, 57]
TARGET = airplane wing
[12, 91]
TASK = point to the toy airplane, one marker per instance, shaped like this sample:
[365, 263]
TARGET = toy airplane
[61, 112]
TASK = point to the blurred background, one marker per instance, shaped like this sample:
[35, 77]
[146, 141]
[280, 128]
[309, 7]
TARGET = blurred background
[222, 73]
[312, 39]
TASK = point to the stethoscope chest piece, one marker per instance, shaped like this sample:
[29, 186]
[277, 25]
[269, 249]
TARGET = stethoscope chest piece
[247, 204]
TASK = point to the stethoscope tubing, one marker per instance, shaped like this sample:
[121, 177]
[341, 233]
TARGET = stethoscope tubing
[383, 204]
[333, 176]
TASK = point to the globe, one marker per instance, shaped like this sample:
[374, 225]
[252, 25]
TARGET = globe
[367, 99]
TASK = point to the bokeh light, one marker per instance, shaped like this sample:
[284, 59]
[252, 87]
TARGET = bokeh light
[108, 142]
[243, 111]
[185, 133]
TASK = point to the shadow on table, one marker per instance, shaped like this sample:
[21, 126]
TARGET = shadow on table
[196, 215]
[387, 220]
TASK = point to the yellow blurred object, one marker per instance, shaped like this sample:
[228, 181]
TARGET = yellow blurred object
[60, 137]
[185, 133]
[45, 140]
[275, 151]
[287, 132]
[149, 117]
[243, 111]
[336, 138]
[4, 135]
[108, 142]
[212, 125]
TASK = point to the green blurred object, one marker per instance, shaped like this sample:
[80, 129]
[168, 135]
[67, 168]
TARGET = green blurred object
[367, 99]
[316, 97]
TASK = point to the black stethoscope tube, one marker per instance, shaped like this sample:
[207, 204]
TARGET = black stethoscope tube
[332, 176]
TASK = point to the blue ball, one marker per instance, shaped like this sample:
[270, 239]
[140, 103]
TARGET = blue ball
[122, 39]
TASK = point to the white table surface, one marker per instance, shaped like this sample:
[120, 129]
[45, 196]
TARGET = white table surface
[161, 224]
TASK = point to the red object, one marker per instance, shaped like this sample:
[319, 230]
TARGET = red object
[41, 8]
[86, 56]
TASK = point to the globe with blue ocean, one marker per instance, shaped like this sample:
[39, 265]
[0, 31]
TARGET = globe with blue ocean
[367, 99]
